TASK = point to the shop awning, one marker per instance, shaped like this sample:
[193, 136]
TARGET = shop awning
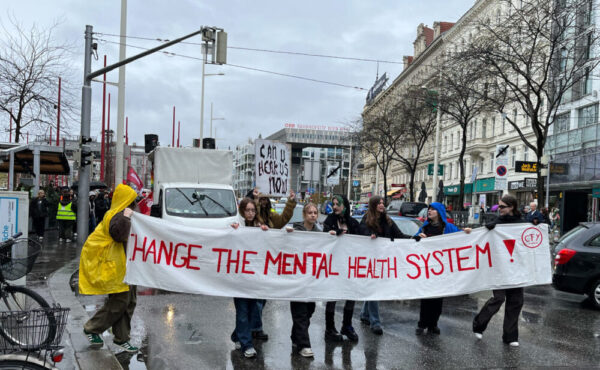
[485, 185]
[393, 191]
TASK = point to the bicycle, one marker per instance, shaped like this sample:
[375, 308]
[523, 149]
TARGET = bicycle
[28, 324]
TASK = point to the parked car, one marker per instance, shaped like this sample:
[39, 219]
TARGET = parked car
[296, 217]
[423, 215]
[411, 209]
[394, 207]
[360, 210]
[407, 225]
[577, 262]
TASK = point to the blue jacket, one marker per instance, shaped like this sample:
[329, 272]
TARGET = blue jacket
[449, 228]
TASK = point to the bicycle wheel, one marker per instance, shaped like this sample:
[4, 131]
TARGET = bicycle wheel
[21, 365]
[27, 322]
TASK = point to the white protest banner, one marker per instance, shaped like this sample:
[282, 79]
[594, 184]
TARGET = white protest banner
[275, 264]
[272, 168]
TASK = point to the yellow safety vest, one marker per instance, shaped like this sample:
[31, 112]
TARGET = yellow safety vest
[65, 212]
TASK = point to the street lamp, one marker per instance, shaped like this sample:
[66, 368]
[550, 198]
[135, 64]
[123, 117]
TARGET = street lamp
[214, 119]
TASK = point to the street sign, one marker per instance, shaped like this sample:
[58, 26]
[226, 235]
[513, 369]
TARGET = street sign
[356, 183]
[528, 167]
[501, 182]
[430, 169]
[333, 174]
[474, 175]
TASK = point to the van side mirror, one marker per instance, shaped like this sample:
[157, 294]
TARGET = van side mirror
[155, 210]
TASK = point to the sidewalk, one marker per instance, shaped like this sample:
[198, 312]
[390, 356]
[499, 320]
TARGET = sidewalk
[78, 354]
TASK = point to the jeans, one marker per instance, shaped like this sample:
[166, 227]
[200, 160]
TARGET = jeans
[245, 309]
[256, 323]
[370, 311]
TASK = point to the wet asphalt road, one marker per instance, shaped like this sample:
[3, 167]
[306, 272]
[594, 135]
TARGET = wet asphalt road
[180, 331]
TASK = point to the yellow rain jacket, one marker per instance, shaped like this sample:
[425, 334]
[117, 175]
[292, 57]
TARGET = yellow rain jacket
[102, 262]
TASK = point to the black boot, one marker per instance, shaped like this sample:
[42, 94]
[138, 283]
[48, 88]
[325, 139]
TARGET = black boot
[347, 328]
[331, 334]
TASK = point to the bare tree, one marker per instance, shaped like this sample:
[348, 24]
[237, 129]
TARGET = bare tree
[464, 97]
[540, 54]
[30, 65]
[416, 119]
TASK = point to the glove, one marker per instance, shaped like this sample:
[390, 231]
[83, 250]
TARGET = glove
[417, 238]
[490, 226]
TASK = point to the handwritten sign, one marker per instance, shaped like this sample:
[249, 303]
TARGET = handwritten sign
[275, 264]
[272, 167]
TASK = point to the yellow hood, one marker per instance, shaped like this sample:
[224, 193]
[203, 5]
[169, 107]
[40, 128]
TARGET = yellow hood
[102, 263]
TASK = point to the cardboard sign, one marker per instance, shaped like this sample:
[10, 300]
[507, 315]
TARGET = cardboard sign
[276, 264]
[272, 167]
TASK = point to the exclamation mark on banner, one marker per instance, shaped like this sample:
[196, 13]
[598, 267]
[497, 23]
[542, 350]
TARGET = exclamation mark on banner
[510, 245]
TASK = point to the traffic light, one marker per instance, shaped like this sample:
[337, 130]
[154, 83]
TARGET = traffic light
[150, 142]
[221, 47]
[431, 99]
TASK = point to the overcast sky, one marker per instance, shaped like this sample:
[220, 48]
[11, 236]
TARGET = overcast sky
[251, 102]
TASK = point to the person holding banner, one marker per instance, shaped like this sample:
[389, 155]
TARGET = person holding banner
[267, 216]
[102, 269]
[246, 309]
[376, 223]
[436, 224]
[303, 311]
[338, 223]
[509, 214]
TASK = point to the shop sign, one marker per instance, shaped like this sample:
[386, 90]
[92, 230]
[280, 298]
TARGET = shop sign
[529, 167]
[430, 169]
[485, 185]
[528, 183]
[453, 189]
[596, 192]
[559, 168]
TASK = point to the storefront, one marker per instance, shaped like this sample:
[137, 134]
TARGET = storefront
[485, 193]
[452, 195]
[524, 190]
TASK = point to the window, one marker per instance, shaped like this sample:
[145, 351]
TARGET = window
[513, 157]
[595, 242]
[492, 156]
[493, 126]
[586, 83]
[515, 115]
[484, 129]
[525, 153]
[451, 146]
[562, 122]
[587, 115]
[563, 60]
[503, 124]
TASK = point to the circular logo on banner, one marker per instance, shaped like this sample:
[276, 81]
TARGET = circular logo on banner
[501, 170]
[532, 237]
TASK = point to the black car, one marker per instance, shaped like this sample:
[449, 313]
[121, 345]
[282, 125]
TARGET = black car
[411, 209]
[577, 262]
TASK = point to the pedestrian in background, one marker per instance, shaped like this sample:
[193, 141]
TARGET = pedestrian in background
[338, 223]
[303, 311]
[92, 212]
[102, 269]
[509, 214]
[66, 217]
[101, 205]
[38, 211]
[534, 216]
[436, 224]
[377, 223]
[266, 215]
[246, 309]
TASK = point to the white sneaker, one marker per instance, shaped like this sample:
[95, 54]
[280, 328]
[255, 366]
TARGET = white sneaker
[41, 238]
[238, 345]
[479, 335]
[60, 239]
[307, 352]
[68, 240]
[513, 344]
[250, 352]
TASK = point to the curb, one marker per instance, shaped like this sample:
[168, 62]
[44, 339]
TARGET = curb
[85, 357]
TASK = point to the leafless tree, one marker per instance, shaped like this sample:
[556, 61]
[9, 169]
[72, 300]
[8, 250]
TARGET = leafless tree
[464, 97]
[30, 64]
[416, 117]
[541, 54]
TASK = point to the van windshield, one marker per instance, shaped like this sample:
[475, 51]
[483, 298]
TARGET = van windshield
[200, 202]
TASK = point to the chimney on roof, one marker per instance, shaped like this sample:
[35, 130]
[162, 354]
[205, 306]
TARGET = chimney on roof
[407, 59]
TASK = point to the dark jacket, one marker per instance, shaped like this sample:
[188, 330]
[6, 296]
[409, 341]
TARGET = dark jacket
[300, 227]
[535, 215]
[331, 222]
[38, 208]
[101, 205]
[385, 229]
[504, 220]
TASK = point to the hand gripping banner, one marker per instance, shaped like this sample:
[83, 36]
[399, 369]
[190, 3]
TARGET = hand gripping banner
[275, 264]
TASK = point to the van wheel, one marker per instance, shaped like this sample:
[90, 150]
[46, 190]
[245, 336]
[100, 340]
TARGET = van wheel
[594, 294]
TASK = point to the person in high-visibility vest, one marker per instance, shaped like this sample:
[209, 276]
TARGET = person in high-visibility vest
[66, 216]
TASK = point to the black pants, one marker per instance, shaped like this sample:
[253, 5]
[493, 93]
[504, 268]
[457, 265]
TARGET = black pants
[65, 229]
[512, 310]
[431, 309]
[39, 225]
[301, 314]
[330, 310]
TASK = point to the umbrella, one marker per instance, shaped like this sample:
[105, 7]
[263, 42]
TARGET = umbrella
[440, 197]
[494, 208]
[93, 185]
[423, 193]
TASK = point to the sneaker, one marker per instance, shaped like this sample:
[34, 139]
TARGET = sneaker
[238, 345]
[94, 339]
[306, 352]
[68, 240]
[513, 344]
[479, 335]
[41, 238]
[127, 347]
[349, 332]
[333, 335]
[260, 335]
[60, 239]
[377, 330]
[365, 321]
[419, 331]
[433, 330]
[250, 353]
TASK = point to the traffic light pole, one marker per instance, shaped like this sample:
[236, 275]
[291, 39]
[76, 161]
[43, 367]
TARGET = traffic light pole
[86, 108]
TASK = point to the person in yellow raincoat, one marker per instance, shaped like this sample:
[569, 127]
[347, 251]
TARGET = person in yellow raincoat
[102, 269]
